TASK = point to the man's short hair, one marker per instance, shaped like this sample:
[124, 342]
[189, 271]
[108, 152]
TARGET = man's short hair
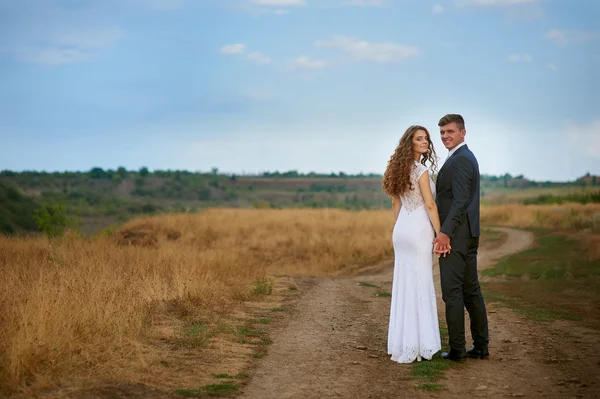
[449, 118]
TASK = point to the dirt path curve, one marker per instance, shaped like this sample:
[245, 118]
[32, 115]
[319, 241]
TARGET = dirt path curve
[334, 345]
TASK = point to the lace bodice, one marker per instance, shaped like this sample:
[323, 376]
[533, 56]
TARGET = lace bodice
[413, 199]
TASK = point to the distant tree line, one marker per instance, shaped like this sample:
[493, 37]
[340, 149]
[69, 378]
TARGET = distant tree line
[506, 180]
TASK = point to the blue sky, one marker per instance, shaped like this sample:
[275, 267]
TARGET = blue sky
[308, 85]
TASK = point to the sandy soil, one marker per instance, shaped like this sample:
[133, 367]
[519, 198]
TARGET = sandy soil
[333, 344]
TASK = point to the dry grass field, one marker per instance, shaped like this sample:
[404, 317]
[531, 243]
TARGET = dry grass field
[79, 305]
[79, 308]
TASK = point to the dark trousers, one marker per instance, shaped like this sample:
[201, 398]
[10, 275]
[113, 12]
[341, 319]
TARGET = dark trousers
[460, 289]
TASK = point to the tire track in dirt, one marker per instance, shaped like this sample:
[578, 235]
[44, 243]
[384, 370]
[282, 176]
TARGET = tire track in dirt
[334, 345]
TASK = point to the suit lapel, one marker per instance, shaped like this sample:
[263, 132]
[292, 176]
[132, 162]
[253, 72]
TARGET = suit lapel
[450, 159]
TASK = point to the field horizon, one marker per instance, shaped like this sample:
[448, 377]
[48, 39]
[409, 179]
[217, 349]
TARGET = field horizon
[100, 198]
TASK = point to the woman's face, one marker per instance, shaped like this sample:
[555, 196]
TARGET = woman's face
[420, 142]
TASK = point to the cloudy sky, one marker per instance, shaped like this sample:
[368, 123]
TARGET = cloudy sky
[311, 85]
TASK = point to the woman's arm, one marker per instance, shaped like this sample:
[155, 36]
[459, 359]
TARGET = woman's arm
[396, 205]
[430, 205]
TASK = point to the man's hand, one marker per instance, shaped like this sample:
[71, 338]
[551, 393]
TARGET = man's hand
[441, 245]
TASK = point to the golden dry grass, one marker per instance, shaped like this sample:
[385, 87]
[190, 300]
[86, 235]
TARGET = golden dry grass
[85, 307]
[78, 306]
[565, 217]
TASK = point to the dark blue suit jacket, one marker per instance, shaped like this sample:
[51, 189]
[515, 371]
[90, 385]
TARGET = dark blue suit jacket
[457, 187]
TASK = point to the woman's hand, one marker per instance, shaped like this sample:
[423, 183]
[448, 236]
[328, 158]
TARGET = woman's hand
[441, 245]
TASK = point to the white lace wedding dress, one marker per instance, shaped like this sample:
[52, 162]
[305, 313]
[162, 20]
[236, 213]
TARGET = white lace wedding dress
[413, 329]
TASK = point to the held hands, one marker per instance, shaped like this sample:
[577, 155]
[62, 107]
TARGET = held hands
[441, 245]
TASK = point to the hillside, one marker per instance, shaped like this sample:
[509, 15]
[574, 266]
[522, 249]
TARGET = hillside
[16, 210]
[100, 198]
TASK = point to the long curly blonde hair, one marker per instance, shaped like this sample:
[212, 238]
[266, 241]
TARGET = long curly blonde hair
[396, 179]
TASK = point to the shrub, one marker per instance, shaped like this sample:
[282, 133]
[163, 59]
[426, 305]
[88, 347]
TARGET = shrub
[52, 219]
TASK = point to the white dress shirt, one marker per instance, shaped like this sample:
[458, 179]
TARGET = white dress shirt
[452, 151]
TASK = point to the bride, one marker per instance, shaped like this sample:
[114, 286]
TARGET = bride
[413, 326]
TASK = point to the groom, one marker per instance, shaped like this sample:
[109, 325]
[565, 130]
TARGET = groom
[457, 189]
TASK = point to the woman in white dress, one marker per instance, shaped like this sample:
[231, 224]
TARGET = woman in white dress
[413, 332]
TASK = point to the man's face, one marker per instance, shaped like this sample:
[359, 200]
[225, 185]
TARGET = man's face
[451, 135]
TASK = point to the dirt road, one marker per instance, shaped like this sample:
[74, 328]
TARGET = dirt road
[333, 344]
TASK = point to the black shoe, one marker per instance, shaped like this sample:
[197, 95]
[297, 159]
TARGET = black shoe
[454, 356]
[478, 353]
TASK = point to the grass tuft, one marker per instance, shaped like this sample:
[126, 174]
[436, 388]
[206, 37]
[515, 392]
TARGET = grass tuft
[428, 372]
[364, 284]
[192, 336]
[430, 387]
[223, 376]
[263, 287]
[220, 390]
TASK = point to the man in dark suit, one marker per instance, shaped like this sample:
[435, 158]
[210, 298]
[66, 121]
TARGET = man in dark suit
[457, 189]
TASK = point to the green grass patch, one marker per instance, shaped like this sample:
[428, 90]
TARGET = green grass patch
[555, 280]
[193, 336]
[384, 294]
[223, 376]
[428, 372]
[278, 309]
[556, 256]
[430, 387]
[249, 332]
[582, 198]
[223, 328]
[364, 284]
[529, 310]
[220, 390]
[263, 287]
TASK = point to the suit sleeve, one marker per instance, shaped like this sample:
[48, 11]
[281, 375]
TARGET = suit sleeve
[462, 181]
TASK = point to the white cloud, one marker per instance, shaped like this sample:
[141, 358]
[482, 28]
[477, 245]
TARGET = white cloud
[280, 3]
[584, 137]
[491, 3]
[552, 66]
[520, 58]
[67, 46]
[233, 49]
[238, 48]
[437, 9]
[362, 50]
[564, 37]
[304, 62]
[365, 3]
[557, 36]
[258, 58]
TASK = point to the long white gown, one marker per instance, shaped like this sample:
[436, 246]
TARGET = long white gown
[413, 327]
